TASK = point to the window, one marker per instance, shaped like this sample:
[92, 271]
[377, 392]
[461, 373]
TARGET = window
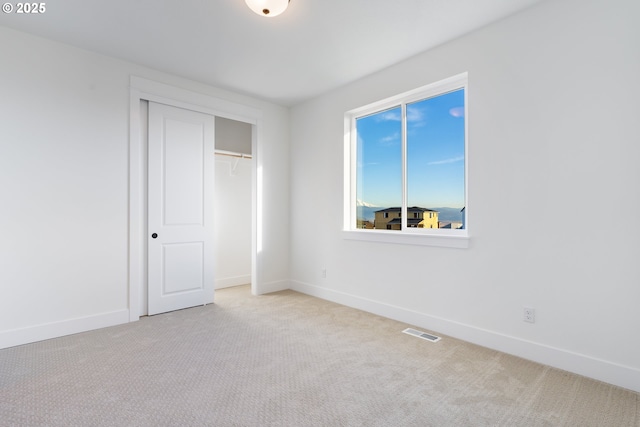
[406, 155]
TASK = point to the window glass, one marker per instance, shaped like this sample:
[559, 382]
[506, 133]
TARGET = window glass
[379, 167]
[435, 156]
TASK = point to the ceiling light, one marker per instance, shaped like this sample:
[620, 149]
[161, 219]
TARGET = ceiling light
[268, 8]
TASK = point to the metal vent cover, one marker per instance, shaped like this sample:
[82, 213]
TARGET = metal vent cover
[423, 335]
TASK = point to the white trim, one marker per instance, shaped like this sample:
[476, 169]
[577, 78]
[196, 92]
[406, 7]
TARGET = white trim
[417, 94]
[47, 331]
[277, 286]
[144, 89]
[602, 370]
[407, 238]
[403, 161]
[136, 207]
[257, 213]
[184, 98]
[229, 282]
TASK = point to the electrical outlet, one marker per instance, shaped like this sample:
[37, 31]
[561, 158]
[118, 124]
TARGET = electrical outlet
[323, 273]
[529, 315]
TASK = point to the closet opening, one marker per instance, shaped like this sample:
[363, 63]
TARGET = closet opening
[232, 203]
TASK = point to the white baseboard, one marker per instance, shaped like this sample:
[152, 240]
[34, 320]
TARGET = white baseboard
[267, 288]
[602, 370]
[228, 282]
[14, 337]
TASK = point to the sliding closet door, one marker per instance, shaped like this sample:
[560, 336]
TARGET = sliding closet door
[180, 234]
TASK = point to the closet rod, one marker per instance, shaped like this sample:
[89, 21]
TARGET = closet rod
[233, 154]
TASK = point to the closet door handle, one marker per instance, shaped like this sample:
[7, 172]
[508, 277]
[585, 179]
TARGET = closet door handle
[154, 235]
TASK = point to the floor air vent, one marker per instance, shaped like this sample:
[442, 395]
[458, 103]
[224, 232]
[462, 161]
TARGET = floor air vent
[420, 334]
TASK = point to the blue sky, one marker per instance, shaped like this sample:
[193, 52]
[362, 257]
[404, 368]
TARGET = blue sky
[435, 153]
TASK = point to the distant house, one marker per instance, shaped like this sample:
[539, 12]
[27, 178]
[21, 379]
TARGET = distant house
[363, 223]
[391, 218]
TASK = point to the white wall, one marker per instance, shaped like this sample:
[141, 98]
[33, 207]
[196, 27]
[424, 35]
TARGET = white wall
[553, 152]
[232, 221]
[64, 144]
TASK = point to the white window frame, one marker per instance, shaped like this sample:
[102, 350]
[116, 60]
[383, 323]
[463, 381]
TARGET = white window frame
[452, 238]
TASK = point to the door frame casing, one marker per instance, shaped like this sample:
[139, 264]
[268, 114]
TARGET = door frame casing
[142, 89]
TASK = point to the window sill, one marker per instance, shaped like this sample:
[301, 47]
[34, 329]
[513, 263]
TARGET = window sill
[443, 241]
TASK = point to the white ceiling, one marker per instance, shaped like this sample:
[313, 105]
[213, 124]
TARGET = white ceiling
[313, 47]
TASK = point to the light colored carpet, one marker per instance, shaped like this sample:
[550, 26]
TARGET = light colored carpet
[287, 359]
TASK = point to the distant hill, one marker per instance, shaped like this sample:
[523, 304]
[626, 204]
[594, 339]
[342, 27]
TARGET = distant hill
[449, 214]
[367, 212]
